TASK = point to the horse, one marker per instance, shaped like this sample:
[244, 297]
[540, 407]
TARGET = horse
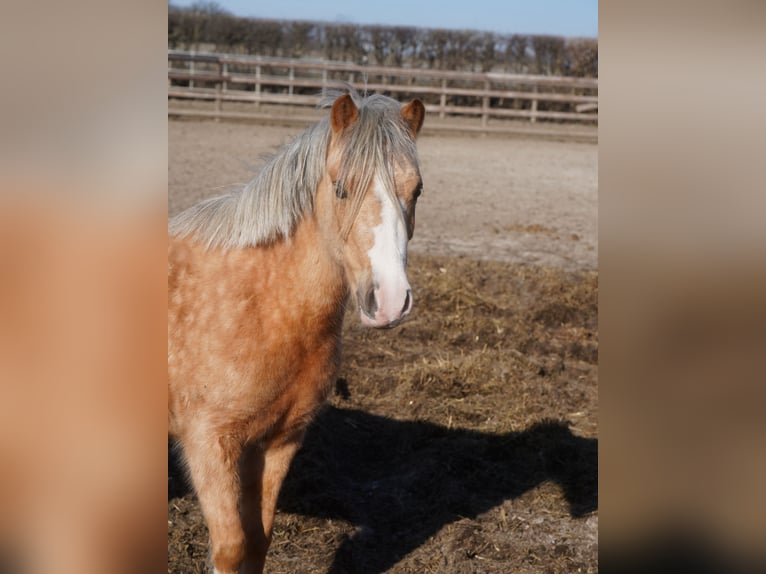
[258, 284]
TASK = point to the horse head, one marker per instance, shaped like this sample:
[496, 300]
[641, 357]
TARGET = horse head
[373, 183]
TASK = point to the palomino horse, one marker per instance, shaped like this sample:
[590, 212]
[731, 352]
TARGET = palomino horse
[258, 282]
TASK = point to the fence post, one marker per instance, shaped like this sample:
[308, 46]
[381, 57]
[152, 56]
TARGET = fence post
[443, 98]
[257, 86]
[533, 116]
[225, 73]
[485, 106]
[191, 72]
[218, 92]
[292, 79]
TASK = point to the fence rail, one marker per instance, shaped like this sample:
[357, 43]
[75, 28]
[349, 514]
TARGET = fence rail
[489, 96]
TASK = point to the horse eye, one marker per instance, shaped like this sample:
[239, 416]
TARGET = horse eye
[418, 191]
[340, 191]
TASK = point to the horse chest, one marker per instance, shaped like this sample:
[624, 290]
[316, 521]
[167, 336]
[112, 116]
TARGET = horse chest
[245, 342]
[285, 375]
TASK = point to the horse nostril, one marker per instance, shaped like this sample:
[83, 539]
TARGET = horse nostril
[370, 303]
[407, 302]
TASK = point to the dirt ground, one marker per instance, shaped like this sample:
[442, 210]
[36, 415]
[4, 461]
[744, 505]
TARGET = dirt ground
[464, 440]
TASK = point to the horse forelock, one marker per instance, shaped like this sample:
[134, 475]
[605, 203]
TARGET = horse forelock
[372, 147]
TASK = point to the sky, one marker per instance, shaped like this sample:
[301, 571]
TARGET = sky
[571, 18]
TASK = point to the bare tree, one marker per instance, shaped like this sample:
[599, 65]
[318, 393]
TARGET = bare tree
[460, 51]
[299, 38]
[549, 54]
[516, 53]
[487, 43]
[435, 45]
[381, 38]
[582, 58]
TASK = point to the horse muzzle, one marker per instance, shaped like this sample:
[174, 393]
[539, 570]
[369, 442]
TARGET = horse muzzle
[383, 309]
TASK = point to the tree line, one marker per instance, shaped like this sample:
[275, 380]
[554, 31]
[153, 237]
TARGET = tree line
[205, 25]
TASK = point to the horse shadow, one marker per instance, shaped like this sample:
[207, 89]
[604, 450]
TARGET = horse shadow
[400, 482]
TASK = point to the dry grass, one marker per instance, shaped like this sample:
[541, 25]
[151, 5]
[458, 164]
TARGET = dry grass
[462, 441]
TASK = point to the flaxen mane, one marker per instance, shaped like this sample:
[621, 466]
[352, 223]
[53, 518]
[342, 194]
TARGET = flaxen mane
[270, 206]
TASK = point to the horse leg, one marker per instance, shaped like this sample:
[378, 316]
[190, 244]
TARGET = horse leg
[213, 462]
[264, 470]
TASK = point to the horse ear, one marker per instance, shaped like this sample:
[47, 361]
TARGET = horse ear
[414, 113]
[344, 113]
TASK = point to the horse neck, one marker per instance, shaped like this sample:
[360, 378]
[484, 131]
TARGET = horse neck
[308, 267]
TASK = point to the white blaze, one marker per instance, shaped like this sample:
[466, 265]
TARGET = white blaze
[388, 257]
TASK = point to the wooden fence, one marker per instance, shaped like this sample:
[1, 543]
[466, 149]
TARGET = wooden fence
[488, 97]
